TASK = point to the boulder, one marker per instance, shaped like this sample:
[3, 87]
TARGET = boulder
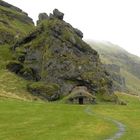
[58, 14]
[42, 16]
[78, 32]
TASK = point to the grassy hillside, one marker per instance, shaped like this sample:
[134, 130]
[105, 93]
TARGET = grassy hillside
[130, 64]
[13, 23]
[133, 83]
[129, 115]
[31, 120]
[10, 84]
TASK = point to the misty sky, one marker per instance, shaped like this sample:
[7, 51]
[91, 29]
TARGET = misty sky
[117, 21]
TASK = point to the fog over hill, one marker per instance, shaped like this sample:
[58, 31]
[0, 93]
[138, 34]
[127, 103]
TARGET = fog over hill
[129, 64]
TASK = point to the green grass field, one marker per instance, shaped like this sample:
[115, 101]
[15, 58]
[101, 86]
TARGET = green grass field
[22, 120]
[128, 115]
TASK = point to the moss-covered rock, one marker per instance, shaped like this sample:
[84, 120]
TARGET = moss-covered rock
[103, 96]
[15, 66]
[58, 55]
[44, 90]
[14, 23]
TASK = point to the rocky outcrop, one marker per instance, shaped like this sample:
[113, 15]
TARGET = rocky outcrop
[58, 14]
[14, 8]
[115, 74]
[41, 17]
[14, 23]
[129, 63]
[134, 67]
[78, 32]
[113, 67]
[7, 5]
[56, 58]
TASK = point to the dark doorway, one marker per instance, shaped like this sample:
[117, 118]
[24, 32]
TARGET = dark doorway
[80, 100]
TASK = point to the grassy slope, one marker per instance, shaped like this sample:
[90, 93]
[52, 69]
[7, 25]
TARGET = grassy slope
[13, 22]
[31, 120]
[129, 115]
[10, 84]
[133, 83]
[113, 54]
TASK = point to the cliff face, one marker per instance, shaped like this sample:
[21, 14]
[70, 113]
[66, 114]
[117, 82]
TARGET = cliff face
[115, 74]
[123, 66]
[14, 23]
[56, 58]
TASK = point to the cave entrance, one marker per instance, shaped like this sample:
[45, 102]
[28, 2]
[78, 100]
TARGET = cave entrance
[81, 100]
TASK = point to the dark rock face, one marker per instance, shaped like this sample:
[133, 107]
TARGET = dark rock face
[14, 67]
[79, 33]
[60, 60]
[42, 16]
[118, 80]
[5, 4]
[58, 14]
[25, 17]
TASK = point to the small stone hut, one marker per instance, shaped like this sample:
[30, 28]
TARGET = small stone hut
[80, 95]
